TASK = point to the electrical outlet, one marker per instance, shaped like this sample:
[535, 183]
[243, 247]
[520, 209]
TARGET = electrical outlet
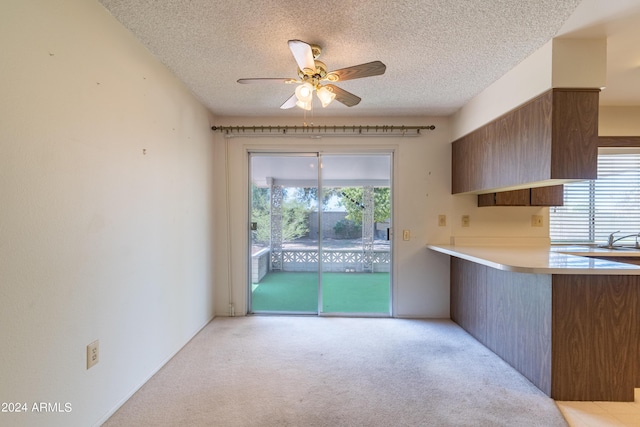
[406, 234]
[442, 220]
[465, 220]
[536, 220]
[93, 353]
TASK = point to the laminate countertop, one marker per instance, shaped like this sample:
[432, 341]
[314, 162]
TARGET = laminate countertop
[574, 259]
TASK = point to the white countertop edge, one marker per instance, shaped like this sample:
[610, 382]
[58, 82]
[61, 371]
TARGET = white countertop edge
[573, 263]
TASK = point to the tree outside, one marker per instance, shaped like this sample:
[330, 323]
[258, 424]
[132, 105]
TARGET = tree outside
[352, 201]
[295, 214]
[299, 202]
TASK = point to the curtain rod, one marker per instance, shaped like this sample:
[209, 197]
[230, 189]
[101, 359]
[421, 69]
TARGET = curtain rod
[320, 131]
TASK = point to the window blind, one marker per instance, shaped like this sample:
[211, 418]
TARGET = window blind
[594, 209]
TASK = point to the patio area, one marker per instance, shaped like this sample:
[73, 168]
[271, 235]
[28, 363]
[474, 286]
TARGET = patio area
[341, 293]
[338, 256]
[307, 243]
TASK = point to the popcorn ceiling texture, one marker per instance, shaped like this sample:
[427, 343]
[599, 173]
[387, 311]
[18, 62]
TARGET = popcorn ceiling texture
[439, 53]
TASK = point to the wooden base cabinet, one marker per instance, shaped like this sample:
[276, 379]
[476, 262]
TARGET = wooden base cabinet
[576, 337]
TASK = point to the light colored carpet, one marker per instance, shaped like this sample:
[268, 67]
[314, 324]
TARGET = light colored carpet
[327, 371]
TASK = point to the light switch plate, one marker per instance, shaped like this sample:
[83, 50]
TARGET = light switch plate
[442, 220]
[536, 220]
[465, 220]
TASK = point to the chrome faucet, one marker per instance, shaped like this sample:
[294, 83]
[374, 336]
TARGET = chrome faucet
[611, 240]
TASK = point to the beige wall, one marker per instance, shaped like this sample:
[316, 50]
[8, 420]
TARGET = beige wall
[619, 121]
[111, 187]
[422, 191]
[559, 63]
[525, 81]
[575, 63]
[106, 211]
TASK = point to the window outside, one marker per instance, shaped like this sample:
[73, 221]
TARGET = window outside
[596, 208]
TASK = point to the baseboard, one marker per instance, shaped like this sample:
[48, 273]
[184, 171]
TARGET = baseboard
[108, 415]
[421, 317]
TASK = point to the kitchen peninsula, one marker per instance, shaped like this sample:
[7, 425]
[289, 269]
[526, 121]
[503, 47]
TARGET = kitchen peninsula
[566, 319]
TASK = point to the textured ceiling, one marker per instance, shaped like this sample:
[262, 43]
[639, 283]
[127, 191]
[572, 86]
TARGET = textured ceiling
[438, 53]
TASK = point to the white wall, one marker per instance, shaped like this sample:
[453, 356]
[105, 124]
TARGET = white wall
[106, 211]
[422, 191]
[109, 198]
[528, 79]
[560, 63]
[422, 177]
[422, 185]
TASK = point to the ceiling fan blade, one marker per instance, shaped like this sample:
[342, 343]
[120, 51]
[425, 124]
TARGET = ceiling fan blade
[369, 69]
[347, 98]
[303, 55]
[267, 80]
[289, 103]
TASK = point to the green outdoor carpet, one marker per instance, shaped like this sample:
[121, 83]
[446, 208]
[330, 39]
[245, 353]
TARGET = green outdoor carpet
[342, 293]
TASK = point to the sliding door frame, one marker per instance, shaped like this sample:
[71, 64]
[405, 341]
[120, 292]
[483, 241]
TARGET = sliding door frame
[391, 152]
[300, 154]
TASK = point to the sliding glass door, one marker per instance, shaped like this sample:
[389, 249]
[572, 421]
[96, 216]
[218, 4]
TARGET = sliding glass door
[356, 215]
[320, 234]
[284, 254]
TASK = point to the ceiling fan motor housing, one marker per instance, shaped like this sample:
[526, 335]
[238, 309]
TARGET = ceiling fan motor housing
[319, 73]
[315, 50]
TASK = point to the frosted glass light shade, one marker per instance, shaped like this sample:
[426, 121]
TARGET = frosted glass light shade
[325, 96]
[304, 92]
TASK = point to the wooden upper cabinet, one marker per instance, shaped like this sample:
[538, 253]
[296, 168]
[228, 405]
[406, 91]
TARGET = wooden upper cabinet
[619, 141]
[552, 137]
[548, 196]
[514, 198]
[539, 196]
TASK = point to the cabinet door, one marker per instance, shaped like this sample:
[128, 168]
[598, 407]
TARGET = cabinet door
[551, 137]
[505, 198]
[468, 297]
[548, 196]
[513, 198]
[541, 196]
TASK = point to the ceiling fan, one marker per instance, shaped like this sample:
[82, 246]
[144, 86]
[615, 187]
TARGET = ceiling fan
[311, 75]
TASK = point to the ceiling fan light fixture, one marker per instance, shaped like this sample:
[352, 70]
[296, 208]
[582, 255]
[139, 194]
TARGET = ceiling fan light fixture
[304, 93]
[312, 73]
[325, 96]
